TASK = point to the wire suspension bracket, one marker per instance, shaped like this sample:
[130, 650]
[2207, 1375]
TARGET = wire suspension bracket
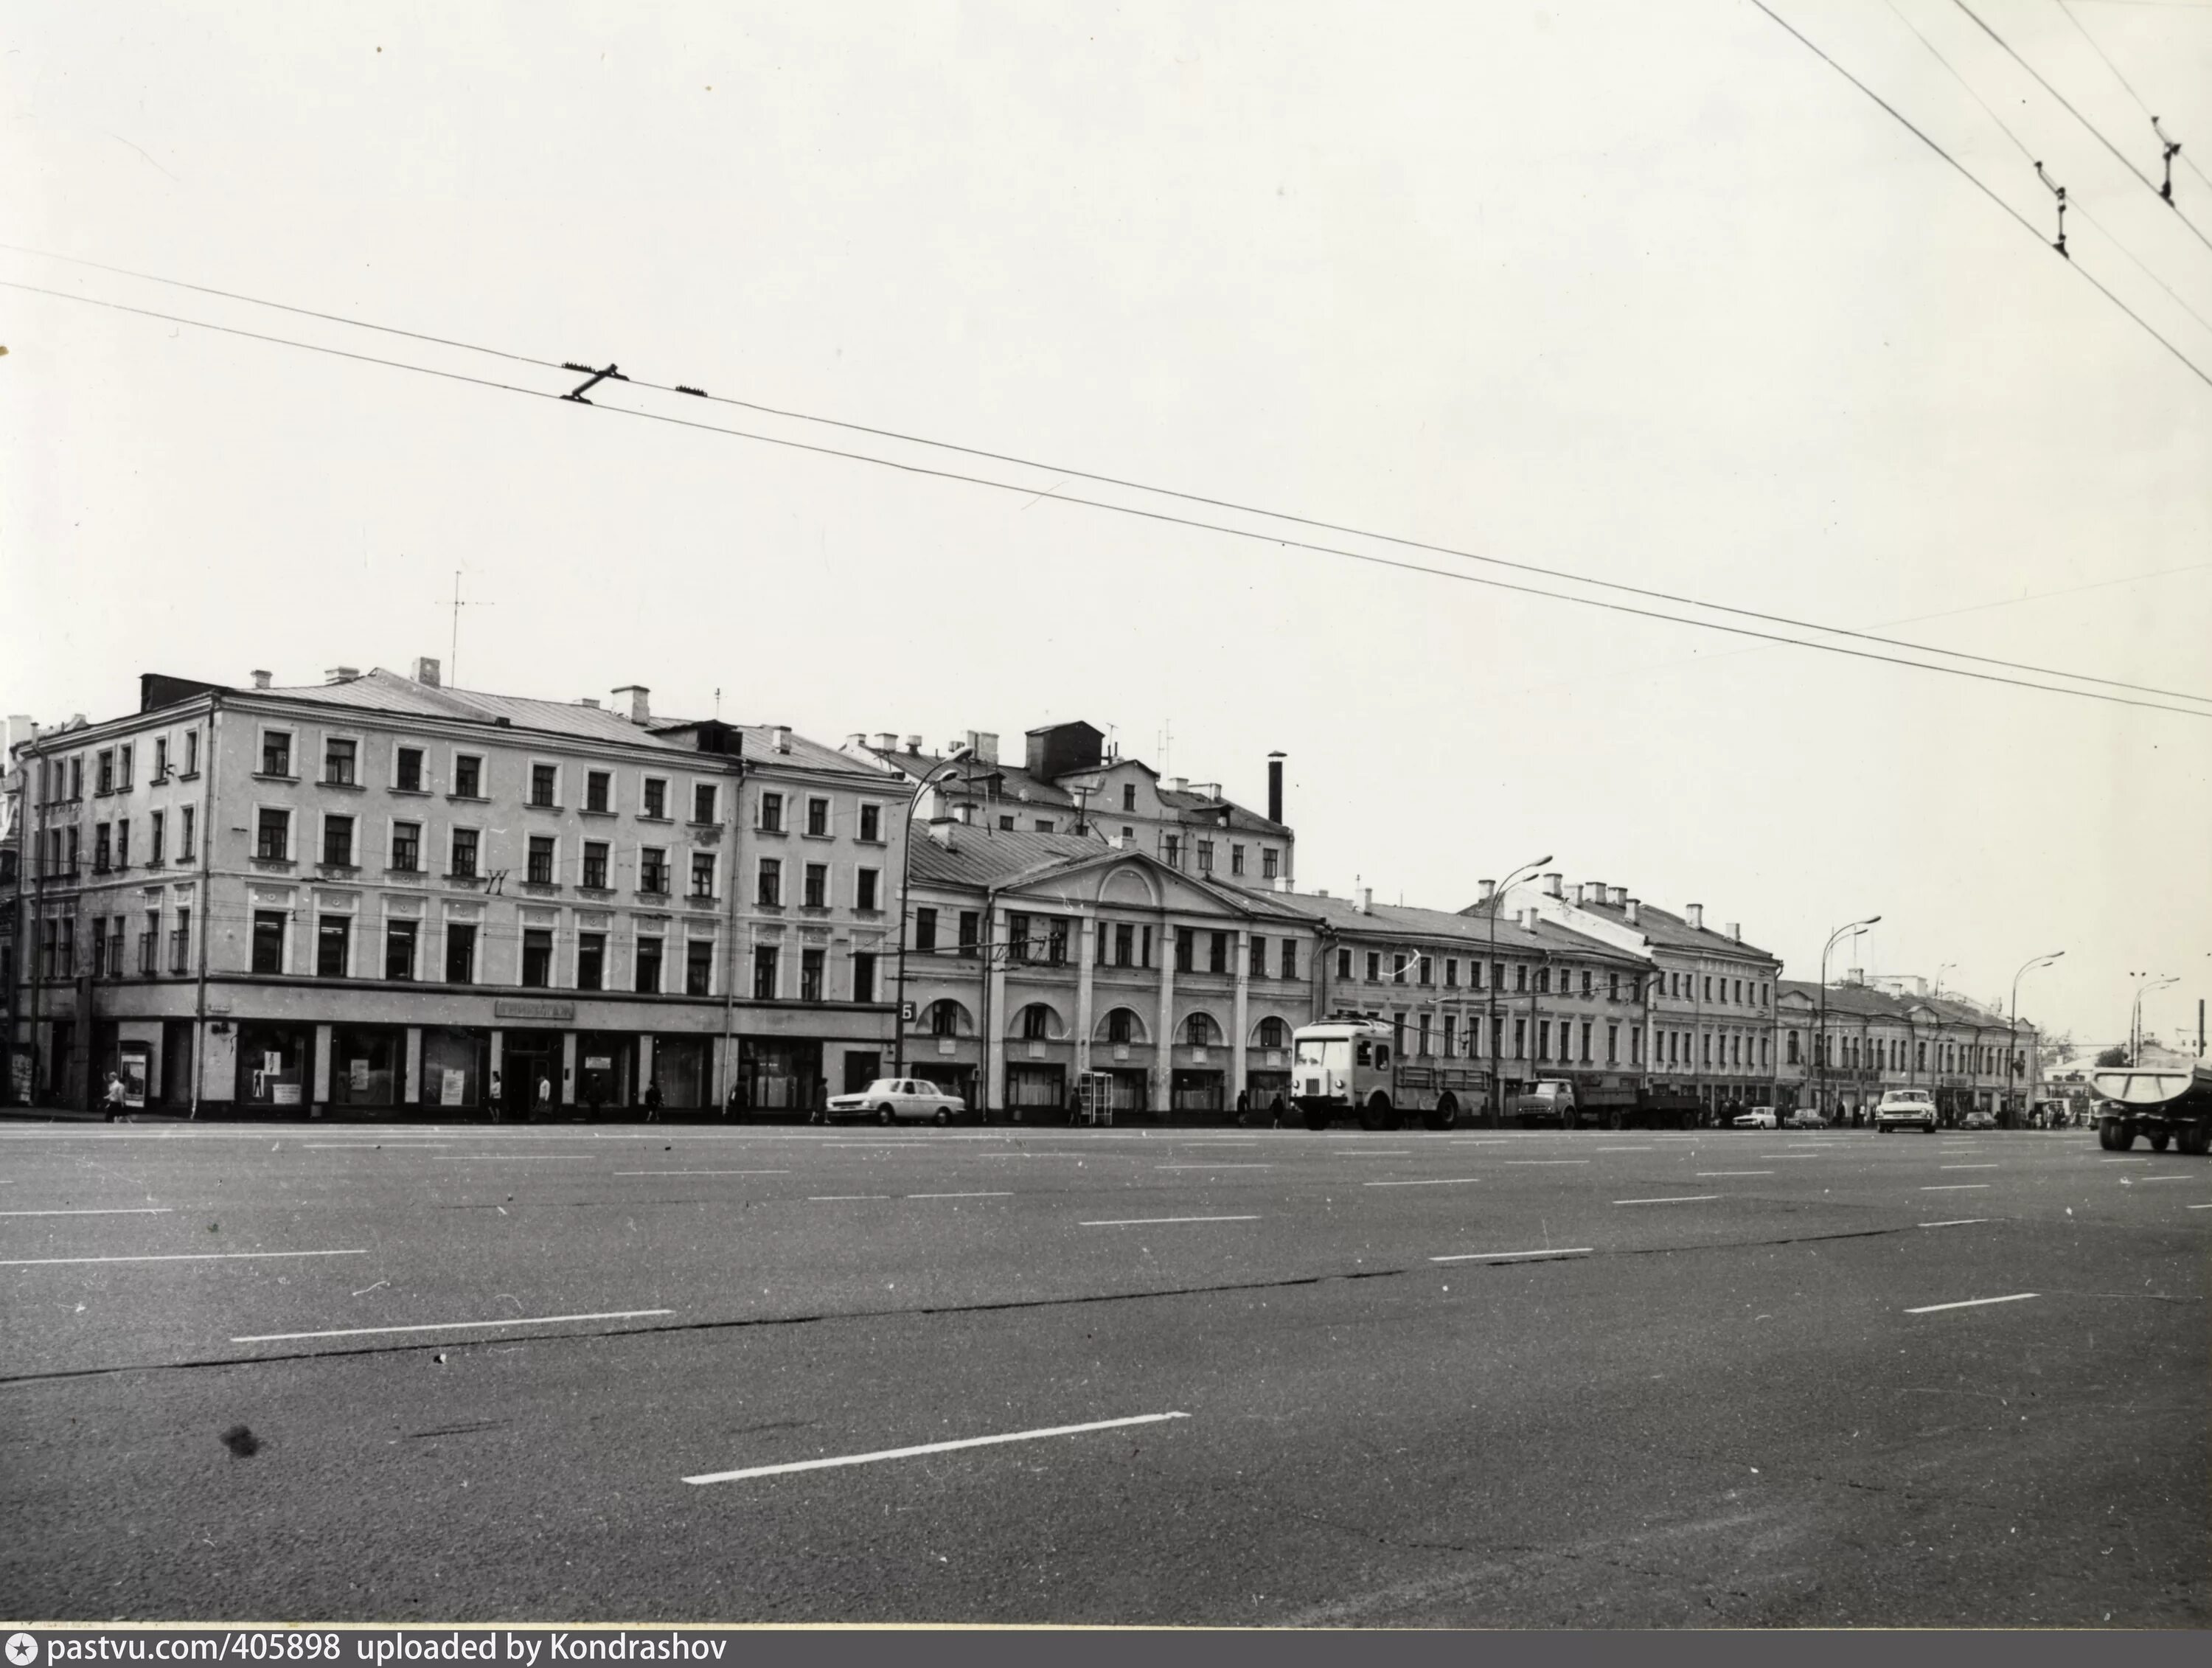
[577, 393]
[2173, 150]
[2058, 191]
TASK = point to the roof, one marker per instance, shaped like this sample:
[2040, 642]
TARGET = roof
[1432, 926]
[1865, 1001]
[1019, 784]
[1675, 931]
[995, 859]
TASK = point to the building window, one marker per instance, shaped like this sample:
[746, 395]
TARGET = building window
[653, 870]
[544, 781]
[1124, 944]
[944, 1017]
[399, 949]
[595, 865]
[340, 757]
[1199, 1031]
[464, 865]
[703, 795]
[1613, 1045]
[276, 754]
[468, 777]
[591, 960]
[123, 769]
[268, 941]
[598, 790]
[1005, 824]
[1544, 982]
[809, 976]
[817, 817]
[407, 770]
[969, 922]
[1044, 824]
[537, 957]
[192, 753]
[864, 889]
[771, 814]
[273, 843]
[1217, 954]
[1344, 964]
[159, 829]
[407, 847]
[99, 948]
[1289, 958]
[1256, 959]
[1451, 972]
[1236, 859]
[1120, 1027]
[338, 842]
[815, 892]
[1055, 940]
[1585, 1056]
[1374, 966]
[180, 943]
[1018, 937]
[1171, 850]
[1184, 942]
[656, 800]
[702, 874]
[648, 981]
[1036, 1022]
[872, 823]
[540, 870]
[460, 953]
[765, 973]
[1586, 980]
[925, 929]
[1520, 1038]
[1206, 856]
[1521, 975]
[1128, 796]
[863, 975]
[186, 817]
[333, 946]
[160, 758]
[101, 848]
[768, 889]
[1451, 1036]
[1425, 972]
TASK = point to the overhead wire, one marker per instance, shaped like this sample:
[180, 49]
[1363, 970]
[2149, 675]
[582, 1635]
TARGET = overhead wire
[1070, 473]
[1161, 517]
[2194, 229]
[2066, 6]
[2074, 201]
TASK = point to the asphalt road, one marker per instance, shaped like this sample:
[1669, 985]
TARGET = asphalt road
[1733, 1378]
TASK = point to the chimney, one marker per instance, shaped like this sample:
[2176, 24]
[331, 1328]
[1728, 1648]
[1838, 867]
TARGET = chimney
[1209, 790]
[428, 670]
[1620, 897]
[1735, 931]
[1489, 891]
[985, 744]
[1582, 893]
[1697, 914]
[1552, 882]
[1321, 892]
[1595, 892]
[857, 738]
[1274, 788]
[1177, 784]
[780, 738]
[1630, 906]
[1856, 976]
[913, 743]
[885, 742]
[1116, 841]
[1367, 900]
[632, 697]
[261, 679]
[591, 701]
[1529, 919]
[342, 674]
[941, 831]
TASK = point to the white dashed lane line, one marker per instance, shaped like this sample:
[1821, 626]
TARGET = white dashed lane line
[128, 1210]
[960, 1196]
[1213, 1167]
[1543, 1160]
[1509, 1256]
[1956, 1187]
[930, 1448]
[1440, 1181]
[174, 1256]
[702, 1173]
[1973, 1302]
[1710, 1175]
[1153, 1221]
[1966, 1167]
[1677, 1199]
[1959, 1222]
[452, 1326]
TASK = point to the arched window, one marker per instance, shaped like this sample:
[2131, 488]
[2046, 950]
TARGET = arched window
[1199, 1030]
[1035, 1022]
[1122, 1026]
[944, 1017]
[1273, 1033]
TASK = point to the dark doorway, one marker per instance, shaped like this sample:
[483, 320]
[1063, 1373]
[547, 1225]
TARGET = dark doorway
[526, 1056]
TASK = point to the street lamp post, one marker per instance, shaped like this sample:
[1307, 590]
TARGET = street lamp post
[1490, 1006]
[1820, 1032]
[2151, 981]
[906, 880]
[2012, 1025]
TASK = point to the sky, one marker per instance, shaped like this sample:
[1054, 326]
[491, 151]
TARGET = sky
[1645, 294]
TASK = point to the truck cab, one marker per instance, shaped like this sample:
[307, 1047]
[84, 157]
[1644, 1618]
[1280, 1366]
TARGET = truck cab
[1549, 1099]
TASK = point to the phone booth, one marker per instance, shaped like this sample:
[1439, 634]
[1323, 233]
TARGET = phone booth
[134, 1065]
[1094, 1098]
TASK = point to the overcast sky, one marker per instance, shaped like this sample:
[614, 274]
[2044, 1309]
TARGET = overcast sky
[1644, 292]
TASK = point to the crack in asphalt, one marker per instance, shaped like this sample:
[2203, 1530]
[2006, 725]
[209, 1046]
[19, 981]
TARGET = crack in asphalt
[996, 1306]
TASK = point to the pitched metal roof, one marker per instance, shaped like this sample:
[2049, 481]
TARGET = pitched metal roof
[1664, 927]
[1406, 922]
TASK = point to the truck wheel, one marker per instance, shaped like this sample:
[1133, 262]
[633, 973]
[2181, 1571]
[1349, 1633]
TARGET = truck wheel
[2123, 1133]
[2159, 1140]
[1445, 1115]
[1377, 1115]
[2195, 1140]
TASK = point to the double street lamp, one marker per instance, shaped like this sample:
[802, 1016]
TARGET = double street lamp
[929, 779]
[1820, 1033]
[1489, 1008]
[2151, 981]
[2012, 1025]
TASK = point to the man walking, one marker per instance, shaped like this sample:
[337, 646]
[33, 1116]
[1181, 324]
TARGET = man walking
[117, 1112]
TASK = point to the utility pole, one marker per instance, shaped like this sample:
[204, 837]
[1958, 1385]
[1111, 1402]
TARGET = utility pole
[453, 648]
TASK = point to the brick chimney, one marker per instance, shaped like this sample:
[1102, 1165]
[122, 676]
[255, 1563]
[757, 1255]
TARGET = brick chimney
[427, 671]
[1697, 914]
[261, 679]
[631, 699]
[1489, 891]
[1552, 881]
[1632, 907]
[1274, 788]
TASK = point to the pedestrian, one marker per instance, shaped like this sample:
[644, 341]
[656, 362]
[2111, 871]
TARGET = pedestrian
[543, 1104]
[734, 1106]
[1244, 1108]
[1276, 1106]
[114, 1099]
[652, 1101]
[498, 1099]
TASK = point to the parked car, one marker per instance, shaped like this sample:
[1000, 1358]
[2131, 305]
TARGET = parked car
[890, 1099]
[1906, 1108]
[1805, 1118]
[1759, 1118]
[1979, 1119]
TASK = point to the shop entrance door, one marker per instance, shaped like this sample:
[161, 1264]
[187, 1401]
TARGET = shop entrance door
[527, 1057]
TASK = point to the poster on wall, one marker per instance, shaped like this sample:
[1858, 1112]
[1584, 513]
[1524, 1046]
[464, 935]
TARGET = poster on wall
[20, 1075]
[450, 1087]
[272, 1063]
[283, 1094]
[357, 1073]
[133, 1063]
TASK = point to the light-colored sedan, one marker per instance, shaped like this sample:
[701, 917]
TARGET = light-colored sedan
[1759, 1118]
[1906, 1108]
[890, 1099]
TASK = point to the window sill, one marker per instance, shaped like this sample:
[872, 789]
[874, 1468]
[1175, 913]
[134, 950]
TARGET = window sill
[413, 793]
[595, 892]
[766, 908]
[274, 775]
[817, 836]
[541, 805]
[773, 833]
[349, 787]
[273, 865]
[702, 901]
[462, 879]
[867, 915]
[862, 839]
[648, 817]
[187, 776]
[404, 874]
[467, 798]
[539, 889]
[645, 895]
[337, 871]
[596, 811]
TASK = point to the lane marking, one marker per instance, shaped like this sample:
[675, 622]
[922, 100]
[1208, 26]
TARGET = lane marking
[1388, 1152]
[960, 1196]
[1503, 1257]
[2123, 1161]
[931, 1448]
[1627, 1149]
[1957, 1187]
[1973, 1302]
[1793, 1155]
[1708, 1175]
[1679, 1199]
[397, 1146]
[127, 1210]
[2145, 1181]
[1149, 1221]
[2197, 1207]
[505, 1158]
[1543, 1160]
[702, 1172]
[1213, 1167]
[1441, 1181]
[174, 1256]
[451, 1326]
[842, 1198]
[1959, 1222]
[1965, 1167]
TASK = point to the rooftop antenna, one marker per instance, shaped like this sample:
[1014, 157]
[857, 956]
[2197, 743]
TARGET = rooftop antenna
[717, 706]
[2058, 191]
[2173, 150]
[453, 650]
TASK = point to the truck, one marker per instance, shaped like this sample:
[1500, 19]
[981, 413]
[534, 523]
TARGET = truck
[2170, 1105]
[1548, 1100]
[1351, 1065]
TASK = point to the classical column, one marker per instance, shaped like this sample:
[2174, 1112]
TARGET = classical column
[1086, 947]
[994, 1082]
[1164, 1039]
[1241, 1025]
[410, 1093]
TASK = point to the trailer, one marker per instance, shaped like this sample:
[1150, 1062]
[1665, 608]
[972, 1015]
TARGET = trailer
[2167, 1106]
[1351, 1065]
